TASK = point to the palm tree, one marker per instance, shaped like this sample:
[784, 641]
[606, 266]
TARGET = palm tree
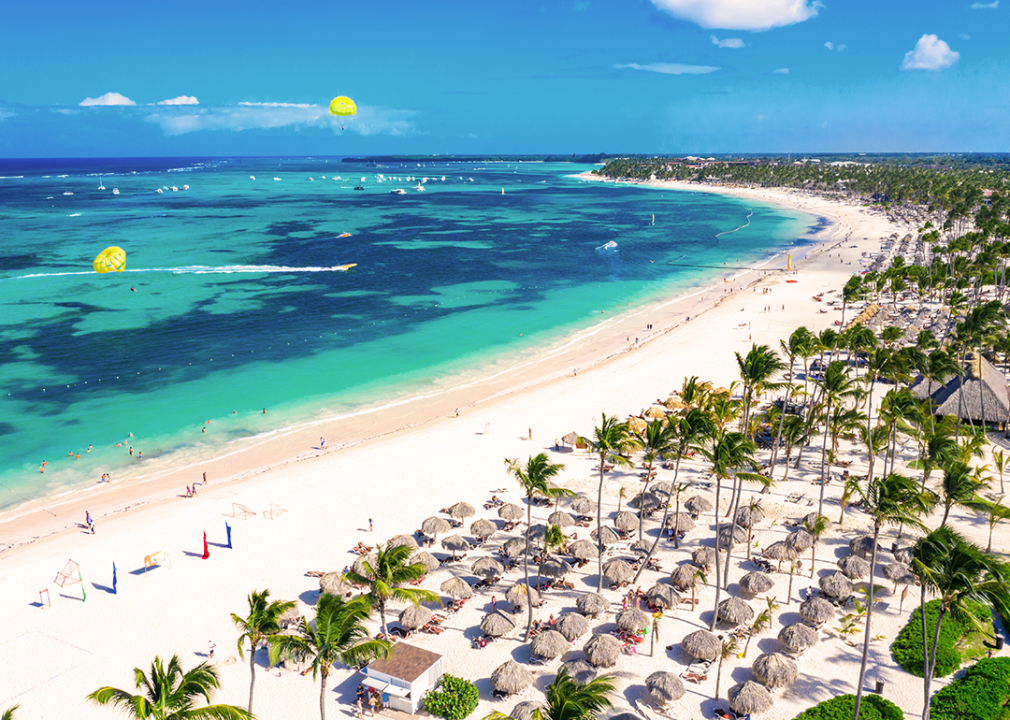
[554, 539]
[794, 565]
[756, 372]
[849, 491]
[762, 622]
[960, 573]
[793, 432]
[994, 512]
[568, 700]
[255, 627]
[659, 439]
[726, 650]
[170, 694]
[816, 528]
[889, 500]
[9, 713]
[338, 635]
[999, 461]
[959, 487]
[534, 479]
[836, 386]
[386, 577]
[611, 440]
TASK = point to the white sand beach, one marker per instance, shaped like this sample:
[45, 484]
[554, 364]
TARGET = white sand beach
[400, 466]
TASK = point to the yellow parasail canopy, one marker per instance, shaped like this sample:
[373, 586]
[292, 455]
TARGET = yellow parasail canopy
[343, 106]
[111, 259]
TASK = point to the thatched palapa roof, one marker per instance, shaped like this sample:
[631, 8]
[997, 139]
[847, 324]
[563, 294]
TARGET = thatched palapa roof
[816, 610]
[734, 611]
[510, 511]
[633, 620]
[749, 698]
[483, 528]
[580, 671]
[756, 582]
[981, 390]
[511, 677]
[602, 651]
[495, 625]
[571, 625]
[798, 636]
[592, 604]
[549, 644]
[774, 670]
[701, 645]
[854, 567]
[665, 687]
[835, 585]
[662, 596]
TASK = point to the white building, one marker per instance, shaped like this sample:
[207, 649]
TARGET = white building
[405, 676]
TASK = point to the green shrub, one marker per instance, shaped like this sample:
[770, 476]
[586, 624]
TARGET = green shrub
[454, 698]
[873, 707]
[979, 695]
[908, 646]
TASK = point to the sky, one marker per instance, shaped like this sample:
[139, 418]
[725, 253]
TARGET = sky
[218, 77]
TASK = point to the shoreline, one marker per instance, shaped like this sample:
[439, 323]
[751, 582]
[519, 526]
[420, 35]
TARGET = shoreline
[39, 518]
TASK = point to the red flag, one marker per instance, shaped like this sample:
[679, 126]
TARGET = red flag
[206, 548]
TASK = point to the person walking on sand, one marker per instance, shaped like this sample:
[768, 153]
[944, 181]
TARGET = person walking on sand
[531, 433]
[210, 649]
[370, 526]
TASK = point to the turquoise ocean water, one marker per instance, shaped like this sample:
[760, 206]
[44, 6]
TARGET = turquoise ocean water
[230, 303]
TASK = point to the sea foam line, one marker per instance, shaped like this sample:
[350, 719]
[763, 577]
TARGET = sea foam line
[200, 270]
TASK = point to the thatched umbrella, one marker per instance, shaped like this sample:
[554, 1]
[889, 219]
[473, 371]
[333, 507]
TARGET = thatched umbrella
[684, 576]
[358, 565]
[571, 625]
[816, 610]
[487, 568]
[538, 533]
[646, 501]
[514, 547]
[662, 596]
[810, 519]
[735, 611]
[610, 536]
[524, 710]
[654, 413]
[737, 533]
[561, 519]
[511, 511]
[863, 546]
[592, 604]
[518, 593]
[583, 505]
[703, 557]
[641, 547]
[483, 528]
[662, 488]
[780, 551]
[665, 687]
[747, 516]
[625, 521]
[749, 698]
[774, 670]
[800, 541]
[333, 583]
[435, 526]
[571, 438]
[461, 511]
[429, 561]
[637, 424]
[289, 618]
[756, 582]
[617, 571]
[602, 651]
[701, 645]
[853, 567]
[835, 585]
[698, 505]
[414, 617]
[511, 677]
[674, 403]
[583, 549]
[495, 625]
[680, 522]
[903, 555]
[899, 574]
[455, 544]
[456, 587]
[580, 671]
[398, 540]
[555, 568]
[549, 644]
[798, 636]
[633, 620]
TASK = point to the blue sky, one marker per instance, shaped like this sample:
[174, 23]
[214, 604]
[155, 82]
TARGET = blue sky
[559, 76]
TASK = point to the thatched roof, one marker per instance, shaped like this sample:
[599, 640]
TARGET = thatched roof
[633, 620]
[461, 511]
[811, 518]
[334, 584]
[358, 565]
[455, 544]
[580, 671]
[583, 505]
[655, 413]
[422, 557]
[538, 533]
[641, 547]
[571, 625]
[835, 585]
[435, 526]
[456, 587]
[756, 582]
[618, 571]
[483, 528]
[561, 519]
[734, 611]
[549, 644]
[899, 573]
[854, 567]
[662, 488]
[511, 511]
[592, 604]
[665, 687]
[800, 540]
[863, 546]
[684, 576]
[625, 521]
[774, 670]
[554, 568]
[698, 505]
[981, 387]
[903, 555]
[663, 596]
[398, 540]
[680, 522]
[781, 551]
[414, 617]
[637, 424]
[816, 610]
[514, 547]
[610, 536]
[703, 557]
[495, 624]
[749, 698]
[524, 710]
[486, 567]
[511, 677]
[571, 438]
[602, 651]
[647, 501]
[737, 533]
[701, 645]
[518, 593]
[798, 636]
[745, 516]
[583, 549]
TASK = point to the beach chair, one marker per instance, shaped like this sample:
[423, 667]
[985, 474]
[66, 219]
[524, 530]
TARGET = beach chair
[274, 512]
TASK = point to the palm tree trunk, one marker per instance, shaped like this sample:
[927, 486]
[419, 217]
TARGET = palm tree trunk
[729, 548]
[718, 677]
[662, 525]
[599, 530]
[322, 693]
[946, 512]
[382, 617]
[869, 620]
[927, 679]
[718, 487]
[641, 505]
[778, 435]
[252, 675]
[824, 458]
[526, 568]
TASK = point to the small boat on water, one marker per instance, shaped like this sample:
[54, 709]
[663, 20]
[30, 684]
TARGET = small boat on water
[68, 193]
[115, 191]
[345, 268]
[160, 191]
[359, 187]
[419, 188]
[398, 191]
[343, 235]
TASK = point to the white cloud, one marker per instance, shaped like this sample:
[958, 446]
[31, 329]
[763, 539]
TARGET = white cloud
[670, 68]
[781, 71]
[109, 98]
[964, 36]
[277, 104]
[831, 46]
[181, 100]
[732, 43]
[741, 14]
[930, 53]
[985, 6]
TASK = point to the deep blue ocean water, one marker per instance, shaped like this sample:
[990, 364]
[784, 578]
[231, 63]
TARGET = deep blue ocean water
[230, 303]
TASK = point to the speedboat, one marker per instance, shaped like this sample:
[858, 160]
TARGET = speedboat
[359, 187]
[115, 191]
[345, 268]
[398, 191]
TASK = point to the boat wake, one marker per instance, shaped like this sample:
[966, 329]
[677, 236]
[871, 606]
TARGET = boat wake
[205, 270]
